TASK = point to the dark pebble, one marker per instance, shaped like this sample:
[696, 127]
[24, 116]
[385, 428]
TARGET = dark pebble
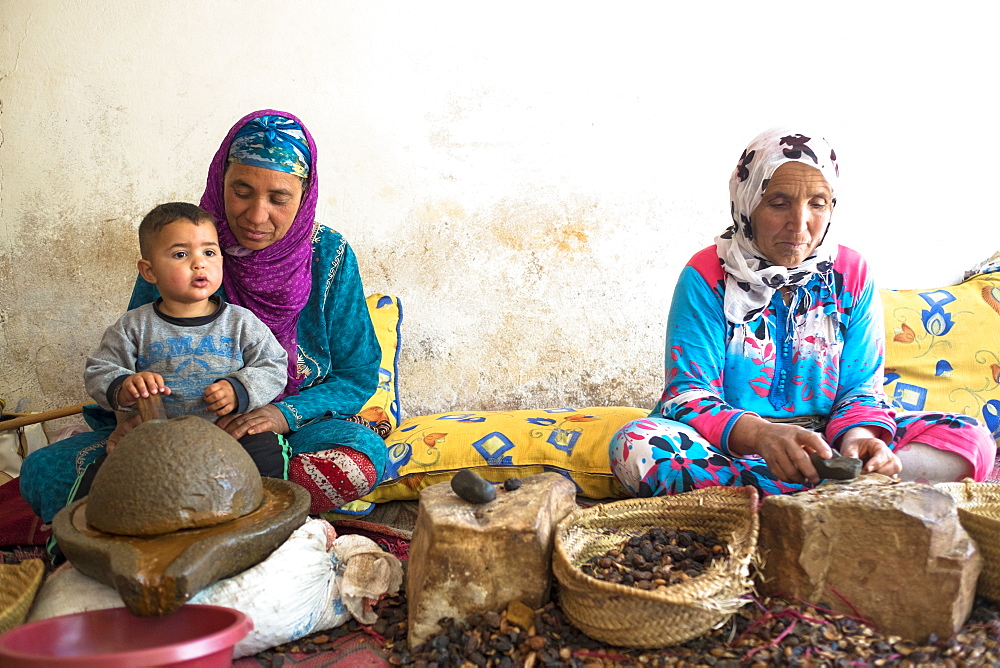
[510, 484]
[472, 487]
[501, 644]
[836, 468]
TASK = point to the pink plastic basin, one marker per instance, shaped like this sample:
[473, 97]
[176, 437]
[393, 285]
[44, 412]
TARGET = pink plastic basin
[196, 636]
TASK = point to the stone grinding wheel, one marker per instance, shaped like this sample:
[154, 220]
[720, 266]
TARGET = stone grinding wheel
[168, 475]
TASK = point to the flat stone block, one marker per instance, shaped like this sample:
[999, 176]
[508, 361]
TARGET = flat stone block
[892, 553]
[468, 558]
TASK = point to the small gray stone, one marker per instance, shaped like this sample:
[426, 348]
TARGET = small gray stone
[836, 468]
[472, 487]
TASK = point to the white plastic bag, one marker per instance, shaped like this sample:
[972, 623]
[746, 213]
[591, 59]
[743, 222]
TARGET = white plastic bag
[367, 573]
[68, 591]
[15, 445]
[294, 592]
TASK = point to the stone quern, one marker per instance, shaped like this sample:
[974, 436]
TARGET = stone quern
[142, 489]
[892, 553]
[178, 505]
[470, 558]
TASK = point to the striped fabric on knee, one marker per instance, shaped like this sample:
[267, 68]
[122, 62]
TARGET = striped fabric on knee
[333, 477]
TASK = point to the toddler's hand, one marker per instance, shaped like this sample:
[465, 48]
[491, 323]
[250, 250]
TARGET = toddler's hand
[142, 384]
[220, 397]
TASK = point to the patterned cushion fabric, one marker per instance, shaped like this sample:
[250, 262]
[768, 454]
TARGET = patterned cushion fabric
[943, 348]
[504, 444]
[381, 412]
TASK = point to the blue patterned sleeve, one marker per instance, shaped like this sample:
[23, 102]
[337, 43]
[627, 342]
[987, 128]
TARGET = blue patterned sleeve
[695, 360]
[337, 343]
[860, 400]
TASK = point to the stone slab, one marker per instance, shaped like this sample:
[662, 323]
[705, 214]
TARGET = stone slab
[156, 575]
[893, 553]
[468, 558]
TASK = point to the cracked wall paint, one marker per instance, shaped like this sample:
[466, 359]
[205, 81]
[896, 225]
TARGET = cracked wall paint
[530, 191]
[522, 314]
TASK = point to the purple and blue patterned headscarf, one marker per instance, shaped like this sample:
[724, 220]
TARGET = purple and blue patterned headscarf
[273, 282]
[751, 278]
[272, 142]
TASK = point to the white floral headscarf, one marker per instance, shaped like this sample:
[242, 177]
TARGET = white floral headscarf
[751, 278]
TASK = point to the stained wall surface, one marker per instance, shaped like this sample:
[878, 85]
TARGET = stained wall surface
[528, 177]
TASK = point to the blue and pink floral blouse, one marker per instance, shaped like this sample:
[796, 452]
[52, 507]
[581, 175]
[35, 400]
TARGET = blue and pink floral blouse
[820, 356]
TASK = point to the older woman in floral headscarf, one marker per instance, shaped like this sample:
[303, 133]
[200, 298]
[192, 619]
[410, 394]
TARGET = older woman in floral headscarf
[774, 350]
[301, 279]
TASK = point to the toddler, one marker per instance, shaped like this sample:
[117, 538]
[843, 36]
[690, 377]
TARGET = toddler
[203, 356]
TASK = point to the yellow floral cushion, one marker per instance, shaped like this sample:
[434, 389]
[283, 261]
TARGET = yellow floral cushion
[381, 411]
[504, 444]
[943, 348]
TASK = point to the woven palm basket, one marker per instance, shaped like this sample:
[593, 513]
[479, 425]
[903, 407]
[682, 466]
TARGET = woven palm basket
[630, 617]
[18, 585]
[979, 512]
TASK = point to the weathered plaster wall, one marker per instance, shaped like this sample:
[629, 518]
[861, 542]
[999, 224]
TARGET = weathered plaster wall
[529, 177]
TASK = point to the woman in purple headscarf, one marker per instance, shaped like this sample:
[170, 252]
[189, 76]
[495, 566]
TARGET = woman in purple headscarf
[301, 279]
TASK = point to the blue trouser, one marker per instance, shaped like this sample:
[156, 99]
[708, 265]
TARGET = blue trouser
[49, 474]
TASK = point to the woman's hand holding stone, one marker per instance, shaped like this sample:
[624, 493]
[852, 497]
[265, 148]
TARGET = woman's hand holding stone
[876, 455]
[266, 418]
[784, 447]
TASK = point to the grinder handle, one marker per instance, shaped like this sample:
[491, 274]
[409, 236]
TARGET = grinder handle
[151, 408]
